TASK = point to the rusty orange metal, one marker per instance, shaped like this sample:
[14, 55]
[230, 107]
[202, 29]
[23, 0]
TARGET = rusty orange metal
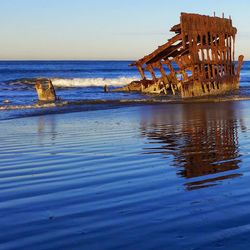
[198, 60]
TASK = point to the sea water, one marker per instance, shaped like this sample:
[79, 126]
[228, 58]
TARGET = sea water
[73, 81]
[167, 176]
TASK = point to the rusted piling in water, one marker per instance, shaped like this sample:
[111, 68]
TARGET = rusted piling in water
[45, 90]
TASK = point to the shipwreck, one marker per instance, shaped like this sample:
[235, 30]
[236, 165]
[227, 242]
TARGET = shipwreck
[198, 60]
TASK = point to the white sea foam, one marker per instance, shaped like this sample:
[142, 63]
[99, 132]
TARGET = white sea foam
[92, 82]
[32, 106]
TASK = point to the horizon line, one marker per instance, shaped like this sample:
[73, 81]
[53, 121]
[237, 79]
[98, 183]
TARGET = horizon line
[4, 60]
[58, 60]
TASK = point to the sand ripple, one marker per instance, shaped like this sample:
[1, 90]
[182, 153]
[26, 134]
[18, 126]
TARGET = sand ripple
[146, 177]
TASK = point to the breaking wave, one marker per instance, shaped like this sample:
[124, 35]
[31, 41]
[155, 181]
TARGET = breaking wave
[74, 82]
[92, 82]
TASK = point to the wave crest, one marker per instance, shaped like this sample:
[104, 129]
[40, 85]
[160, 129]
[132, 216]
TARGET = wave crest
[91, 82]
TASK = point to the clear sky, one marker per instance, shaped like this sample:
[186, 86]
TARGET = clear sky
[103, 29]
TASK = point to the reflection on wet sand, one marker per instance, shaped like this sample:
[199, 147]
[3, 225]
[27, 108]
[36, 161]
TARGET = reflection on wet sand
[202, 139]
[46, 125]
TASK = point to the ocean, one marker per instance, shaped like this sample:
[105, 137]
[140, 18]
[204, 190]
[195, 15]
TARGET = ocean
[74, 81]
[107, 171]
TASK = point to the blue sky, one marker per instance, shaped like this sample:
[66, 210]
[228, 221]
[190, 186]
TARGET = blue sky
[103, 29]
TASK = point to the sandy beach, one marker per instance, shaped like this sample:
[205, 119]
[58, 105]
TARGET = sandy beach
[165, 176]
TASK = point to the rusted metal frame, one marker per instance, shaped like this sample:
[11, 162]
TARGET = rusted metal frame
[192, 54]
[174, 81]
[141, 71]
[215, 39]
[222, 49]
[209, 60]
[213, 62]
[176, 28]
[166, 53]
[176, 53]
[206, 47]
[182, 69]
[213, 65]
[202, 61]
[220, 55]
[209, 69]
[240, 62]
[170, 67]
[234, 47]
[162, 71]
[194, 47]
[150, 68]
[225, 59]
[173, 76]
[233, 53]
[183, 34]
[213, 48]
[225, 54]
[217, 59]
[147, 58]
[230, 54]
[185, 60]
[184, 52]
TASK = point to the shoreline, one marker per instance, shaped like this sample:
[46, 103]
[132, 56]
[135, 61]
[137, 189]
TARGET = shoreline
[40, 105]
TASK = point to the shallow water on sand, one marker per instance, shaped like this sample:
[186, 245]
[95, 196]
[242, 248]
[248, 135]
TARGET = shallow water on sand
[170, 176]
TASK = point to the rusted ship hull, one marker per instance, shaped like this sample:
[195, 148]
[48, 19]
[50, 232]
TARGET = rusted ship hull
[197, 61]
[188, 89]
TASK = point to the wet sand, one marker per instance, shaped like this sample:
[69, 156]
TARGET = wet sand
[165, 176]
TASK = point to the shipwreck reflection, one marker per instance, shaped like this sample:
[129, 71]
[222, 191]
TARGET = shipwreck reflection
[200, 139]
